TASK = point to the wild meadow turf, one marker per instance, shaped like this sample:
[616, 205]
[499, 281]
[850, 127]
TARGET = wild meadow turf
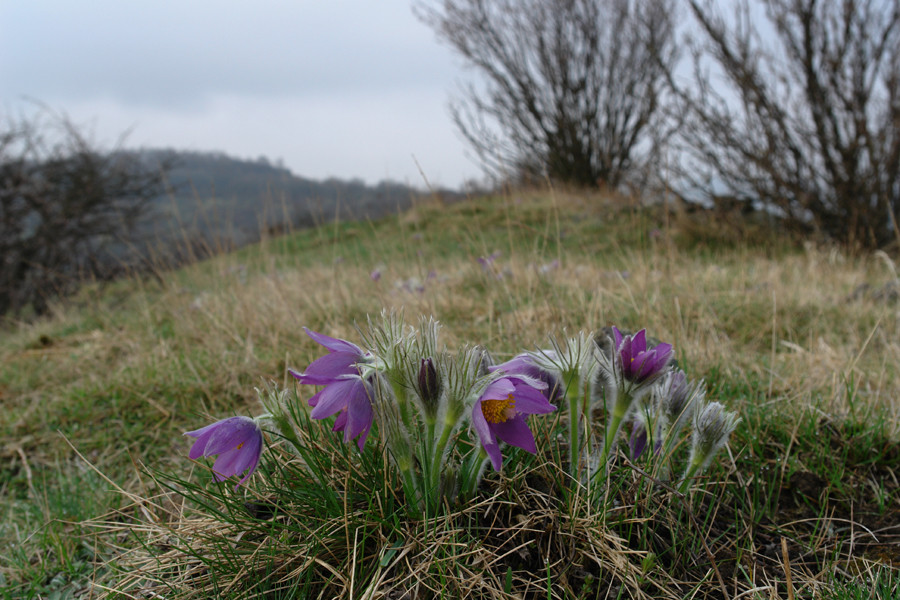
[99, 499]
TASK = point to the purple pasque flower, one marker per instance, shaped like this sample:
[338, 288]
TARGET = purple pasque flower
[345, 392]
[523, 364]
[638, 363]
[238, 442]
[341, 360]
[351, 399]
[500, 414]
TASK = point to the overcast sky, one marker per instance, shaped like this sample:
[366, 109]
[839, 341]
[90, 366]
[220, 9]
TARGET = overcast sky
[346, 88]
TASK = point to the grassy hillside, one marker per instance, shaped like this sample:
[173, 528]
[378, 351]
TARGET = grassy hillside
[804, 504]
[215, 201]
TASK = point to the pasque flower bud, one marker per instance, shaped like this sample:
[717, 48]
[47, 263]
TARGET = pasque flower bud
[429, 384]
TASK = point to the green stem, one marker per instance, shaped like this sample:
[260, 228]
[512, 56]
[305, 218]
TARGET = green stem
[663, 469]
[434, 450]
[615, 423]
[689, 473]
[412, 481]
[402, 400]
[411, 487]
[573, 393]
[623, 403]
[574, 437]
[470, 470]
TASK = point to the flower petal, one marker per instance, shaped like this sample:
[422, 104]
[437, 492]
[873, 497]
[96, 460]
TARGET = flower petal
[480, 425]
[326, 369]
[520, 364]
[493, 452]
[638, 440]
[314, 400]
[359, 411]
[340, 422]
[202, 436]
[333, 398]
[226, 465]
[653, 361]
[524, 365]
[333, 344]
[362, 436]
[664, 353]
[530, 401]
[248, 457]
[252, 468]
[498, 390]
[639, 341]
[486, 436]
[230, 433]
[515, 432]
[618, 336]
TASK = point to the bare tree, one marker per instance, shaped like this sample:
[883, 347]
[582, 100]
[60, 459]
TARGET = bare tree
[63, 206]
[796, 108]
[568, 89]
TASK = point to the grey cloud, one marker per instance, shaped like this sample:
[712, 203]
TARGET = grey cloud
[177, 55]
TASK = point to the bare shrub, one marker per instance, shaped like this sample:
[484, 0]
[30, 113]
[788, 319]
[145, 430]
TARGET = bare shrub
[568, 89]
[68, 210]
[795, 107]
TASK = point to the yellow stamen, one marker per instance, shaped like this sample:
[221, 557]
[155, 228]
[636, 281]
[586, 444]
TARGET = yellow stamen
[239, 446]
[498, 411]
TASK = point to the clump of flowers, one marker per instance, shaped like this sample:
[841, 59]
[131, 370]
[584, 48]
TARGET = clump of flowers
[444, 415]
[422, 396]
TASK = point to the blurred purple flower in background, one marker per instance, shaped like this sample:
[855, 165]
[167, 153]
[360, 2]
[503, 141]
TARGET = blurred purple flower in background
[638, 440]
[237, 441]
[487, 262]
[547, 267]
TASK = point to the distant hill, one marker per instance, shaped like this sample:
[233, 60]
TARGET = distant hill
[217, 202]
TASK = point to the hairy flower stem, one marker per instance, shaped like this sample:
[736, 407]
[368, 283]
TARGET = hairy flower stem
[663, 469]
[400, 393]
[574, 437]
[472, 469]
[615, 424]
[429, 462]
[438, 451]
[412, 480]
[411, 485]
[620, 409]
[576, 407]
[689, 472]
